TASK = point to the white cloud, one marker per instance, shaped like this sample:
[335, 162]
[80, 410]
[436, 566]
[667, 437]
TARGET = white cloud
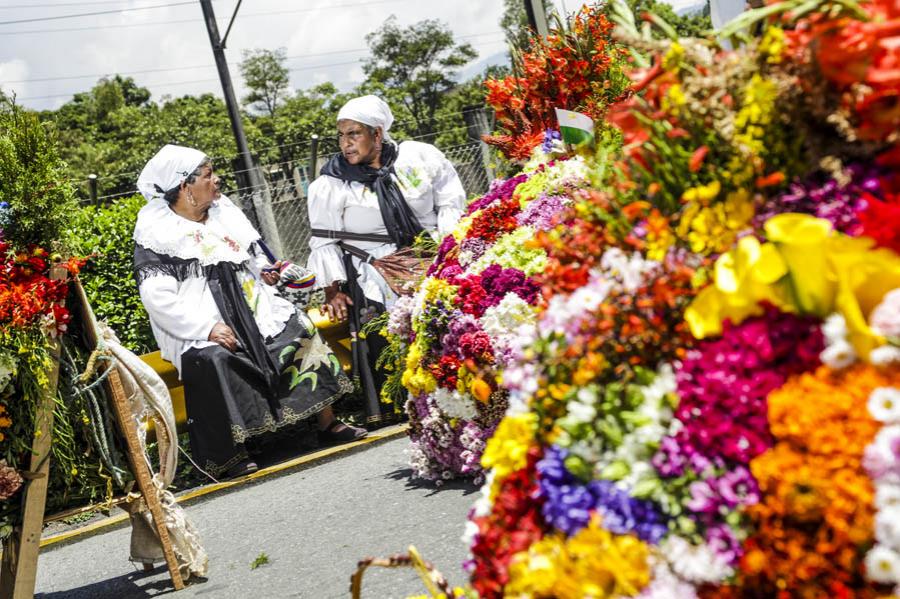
[13, 70]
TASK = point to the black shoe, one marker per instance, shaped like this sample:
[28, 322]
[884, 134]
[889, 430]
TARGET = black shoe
[349, 433]
[241, 469]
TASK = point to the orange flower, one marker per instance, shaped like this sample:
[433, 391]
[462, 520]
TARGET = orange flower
[815, 516]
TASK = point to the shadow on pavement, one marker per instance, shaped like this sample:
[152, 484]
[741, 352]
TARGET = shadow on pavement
[413, 482]
[134, 585]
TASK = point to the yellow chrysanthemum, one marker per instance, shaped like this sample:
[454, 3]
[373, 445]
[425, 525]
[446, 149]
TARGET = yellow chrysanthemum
[593, 563]
[507, 450]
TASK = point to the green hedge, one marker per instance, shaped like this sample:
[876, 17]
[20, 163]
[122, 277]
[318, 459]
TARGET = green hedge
[106, 233]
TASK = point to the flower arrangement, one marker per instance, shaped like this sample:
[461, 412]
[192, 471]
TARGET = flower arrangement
[705, 400]
[35, 204]
[578, 69]
[457, 334]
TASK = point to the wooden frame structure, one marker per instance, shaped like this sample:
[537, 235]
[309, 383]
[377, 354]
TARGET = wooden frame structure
[18, 569]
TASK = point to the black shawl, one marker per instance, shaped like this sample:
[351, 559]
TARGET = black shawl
[402, 225]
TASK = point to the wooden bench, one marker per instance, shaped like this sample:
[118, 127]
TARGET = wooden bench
[336, 334]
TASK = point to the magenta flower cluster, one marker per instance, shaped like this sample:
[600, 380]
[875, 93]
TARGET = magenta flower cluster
[723, 385]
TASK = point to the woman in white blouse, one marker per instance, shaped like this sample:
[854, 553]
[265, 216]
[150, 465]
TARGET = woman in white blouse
[250, 361]
[377, 196]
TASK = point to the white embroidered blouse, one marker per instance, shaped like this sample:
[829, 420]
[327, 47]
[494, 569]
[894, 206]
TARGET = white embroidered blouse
[182, 310]
[431, 188]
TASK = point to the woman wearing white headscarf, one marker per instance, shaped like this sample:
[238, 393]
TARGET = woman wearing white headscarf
[251, 363]
[376, 196]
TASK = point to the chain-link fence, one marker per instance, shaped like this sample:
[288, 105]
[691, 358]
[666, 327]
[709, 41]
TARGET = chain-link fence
[285, 192]
[273, 196]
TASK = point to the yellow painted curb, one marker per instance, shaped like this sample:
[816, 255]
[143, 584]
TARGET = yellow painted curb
[306, 459]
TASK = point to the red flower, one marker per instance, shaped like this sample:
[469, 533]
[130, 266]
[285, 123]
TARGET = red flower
[881, 220]
[697, 159]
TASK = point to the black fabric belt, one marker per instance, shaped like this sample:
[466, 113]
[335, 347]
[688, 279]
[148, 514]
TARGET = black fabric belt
[348, 236]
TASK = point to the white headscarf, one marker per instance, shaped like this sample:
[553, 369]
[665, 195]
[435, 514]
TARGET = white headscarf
[368, 110]
[168, 169]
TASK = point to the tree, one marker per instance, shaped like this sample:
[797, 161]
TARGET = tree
[266, 77]
[32, 179]
[415, 67]
[692, 24]
[306, 112]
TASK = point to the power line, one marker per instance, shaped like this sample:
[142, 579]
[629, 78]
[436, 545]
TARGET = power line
[58, 4]
[175, 83]
[244, 16]
[209, 66]
[93, 14]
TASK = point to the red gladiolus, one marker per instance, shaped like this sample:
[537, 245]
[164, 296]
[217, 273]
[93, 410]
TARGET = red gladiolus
[697, 159]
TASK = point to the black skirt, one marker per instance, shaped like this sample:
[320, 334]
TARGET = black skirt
[229, 400]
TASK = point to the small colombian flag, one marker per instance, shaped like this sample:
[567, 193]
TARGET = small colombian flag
[576, 128]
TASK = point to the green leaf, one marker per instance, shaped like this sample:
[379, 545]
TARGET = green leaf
[288, 351]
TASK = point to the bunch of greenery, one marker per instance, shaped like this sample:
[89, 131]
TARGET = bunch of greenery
[32, 180]
[105, 233]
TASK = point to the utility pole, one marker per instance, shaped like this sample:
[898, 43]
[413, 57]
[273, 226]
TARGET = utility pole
[261, 206]
[227, 88]
[537, 16]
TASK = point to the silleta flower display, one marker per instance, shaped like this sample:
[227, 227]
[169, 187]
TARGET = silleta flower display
[696, 343]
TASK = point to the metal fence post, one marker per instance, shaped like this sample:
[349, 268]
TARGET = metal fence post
[313, 156]
[262, 202]
[478, 124]
[92, 188]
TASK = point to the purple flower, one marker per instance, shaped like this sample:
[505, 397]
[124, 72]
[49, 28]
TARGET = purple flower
[703, 498]
[541, 212]
[568, 502]
[498, 281]
[502, 190]
[824, 197]
[550, 135]
[738, 487]
[475, 246]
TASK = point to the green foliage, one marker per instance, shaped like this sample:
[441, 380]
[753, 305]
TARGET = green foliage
[113, 130]
[106, 233]
[266, 77]
[299, 116]
[415, 68]
[32, 178]
[688, 25]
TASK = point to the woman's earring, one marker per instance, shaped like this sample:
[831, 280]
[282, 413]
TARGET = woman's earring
[191, 198]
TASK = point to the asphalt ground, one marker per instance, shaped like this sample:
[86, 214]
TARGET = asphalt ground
[313, 525]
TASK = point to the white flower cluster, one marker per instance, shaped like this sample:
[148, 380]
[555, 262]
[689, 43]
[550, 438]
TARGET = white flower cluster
[664, 584]
[882, 461]
[400, 319]
[885, 321]
[694, 563]
[455, 404]
[505, 321]
[838, 353]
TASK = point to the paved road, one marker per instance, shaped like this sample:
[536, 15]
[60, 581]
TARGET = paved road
[314, 525]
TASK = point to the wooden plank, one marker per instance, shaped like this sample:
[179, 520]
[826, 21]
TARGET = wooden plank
[142, 474]
[20, 555]
[139, 467]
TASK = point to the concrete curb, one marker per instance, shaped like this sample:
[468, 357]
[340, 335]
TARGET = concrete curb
[208, 491]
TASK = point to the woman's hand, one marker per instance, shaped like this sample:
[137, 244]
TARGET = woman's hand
[270, 277]
[337, 303]
[222, 334]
